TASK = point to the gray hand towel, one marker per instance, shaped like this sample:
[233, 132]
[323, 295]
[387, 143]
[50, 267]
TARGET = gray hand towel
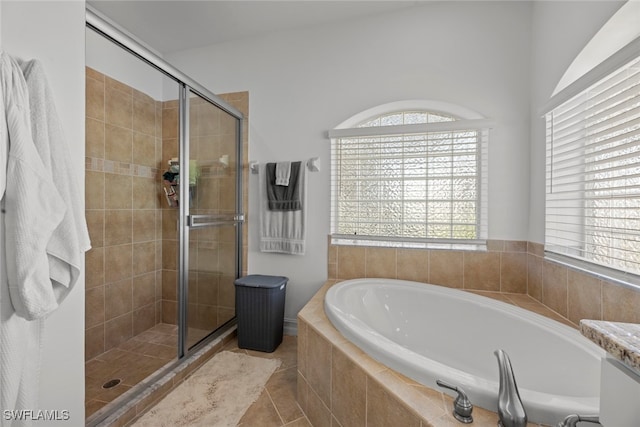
[284, 198]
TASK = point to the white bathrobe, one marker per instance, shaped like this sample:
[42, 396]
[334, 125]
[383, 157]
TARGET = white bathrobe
[20, 337]
[37, 266]
[70, 239]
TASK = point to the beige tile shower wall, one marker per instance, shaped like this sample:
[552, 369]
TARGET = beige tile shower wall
[240, 100]
[502, 268]
[123, 142]
[211, 251]
[578, 295]
[169, 220]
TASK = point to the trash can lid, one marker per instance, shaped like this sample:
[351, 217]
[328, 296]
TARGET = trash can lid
[261, 281]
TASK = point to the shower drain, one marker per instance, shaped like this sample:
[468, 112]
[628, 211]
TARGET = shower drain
[111, 383]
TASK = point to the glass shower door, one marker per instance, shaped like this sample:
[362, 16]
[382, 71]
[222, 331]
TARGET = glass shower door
[213, 218]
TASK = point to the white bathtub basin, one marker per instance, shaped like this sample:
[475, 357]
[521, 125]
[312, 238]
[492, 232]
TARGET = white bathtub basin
[429, 332]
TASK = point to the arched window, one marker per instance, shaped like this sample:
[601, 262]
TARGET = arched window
[410, 175]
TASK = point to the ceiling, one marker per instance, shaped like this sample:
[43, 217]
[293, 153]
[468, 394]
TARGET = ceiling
[169, 26]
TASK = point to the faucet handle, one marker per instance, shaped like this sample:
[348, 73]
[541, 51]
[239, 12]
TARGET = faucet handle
[462, 406]
[573, 420]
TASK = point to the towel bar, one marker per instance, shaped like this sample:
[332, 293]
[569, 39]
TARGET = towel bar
[313, 164]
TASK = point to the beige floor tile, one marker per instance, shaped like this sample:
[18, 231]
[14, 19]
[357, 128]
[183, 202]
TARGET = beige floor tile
[287, 352]
[262, 413]
[92, 406]
[142, 355]
[300, 422]
[131, 362]
[98, 369]
[282, 387]
[165, 328]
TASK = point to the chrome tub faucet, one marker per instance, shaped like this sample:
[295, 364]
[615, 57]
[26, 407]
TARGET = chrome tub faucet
[511, 412]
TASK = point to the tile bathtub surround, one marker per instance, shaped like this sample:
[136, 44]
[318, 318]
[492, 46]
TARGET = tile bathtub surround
[578, 295]
[514, 267]
[542, 286]
[502, 268]
[339, 385]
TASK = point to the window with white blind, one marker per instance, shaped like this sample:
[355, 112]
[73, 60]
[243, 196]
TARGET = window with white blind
[593, 173]
[410, 176]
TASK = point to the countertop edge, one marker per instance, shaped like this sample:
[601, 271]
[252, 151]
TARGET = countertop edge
[620, 340]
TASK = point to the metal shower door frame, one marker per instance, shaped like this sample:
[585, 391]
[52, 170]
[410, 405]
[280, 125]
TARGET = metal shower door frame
[186, 221]
[104, 27]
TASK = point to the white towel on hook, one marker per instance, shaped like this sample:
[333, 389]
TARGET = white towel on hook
[70, 239]
[283, 173]
[30, 202]
[33, 210]
[282, 231]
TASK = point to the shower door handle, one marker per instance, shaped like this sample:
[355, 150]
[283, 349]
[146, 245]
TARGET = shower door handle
[197, 221]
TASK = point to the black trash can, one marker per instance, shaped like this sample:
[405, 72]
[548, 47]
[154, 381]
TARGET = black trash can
[260, 311]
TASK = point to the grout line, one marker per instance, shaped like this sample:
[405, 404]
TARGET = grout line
[500, 271]
[464, 255]
[566, 292]
[272, 402]
[601, 299]
[366, 399]
[292, 422]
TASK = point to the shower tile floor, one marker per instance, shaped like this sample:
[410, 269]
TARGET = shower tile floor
[130, 362]
[143, 354]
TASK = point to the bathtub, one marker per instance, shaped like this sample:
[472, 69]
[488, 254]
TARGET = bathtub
[429, 332]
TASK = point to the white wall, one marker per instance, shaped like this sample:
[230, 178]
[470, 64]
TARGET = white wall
[108, 58]
[53, 32]
[560, 31]
[302, 83]
[305, 82]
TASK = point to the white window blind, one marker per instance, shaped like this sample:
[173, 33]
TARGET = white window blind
[593, 173]
[410, 186]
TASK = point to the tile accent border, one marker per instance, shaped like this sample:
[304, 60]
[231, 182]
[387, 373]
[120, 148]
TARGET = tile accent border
[110, 166]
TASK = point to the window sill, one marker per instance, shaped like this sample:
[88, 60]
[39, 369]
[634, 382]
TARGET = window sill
[462, 246]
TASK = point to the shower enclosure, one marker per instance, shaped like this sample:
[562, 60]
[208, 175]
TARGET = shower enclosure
[164, 206]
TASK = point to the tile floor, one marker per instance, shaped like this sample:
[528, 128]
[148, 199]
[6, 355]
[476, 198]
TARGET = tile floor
[277, 405]
[142, 355]
[130, 362]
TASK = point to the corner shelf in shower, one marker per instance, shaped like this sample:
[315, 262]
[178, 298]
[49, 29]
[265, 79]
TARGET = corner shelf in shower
[171, 184]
